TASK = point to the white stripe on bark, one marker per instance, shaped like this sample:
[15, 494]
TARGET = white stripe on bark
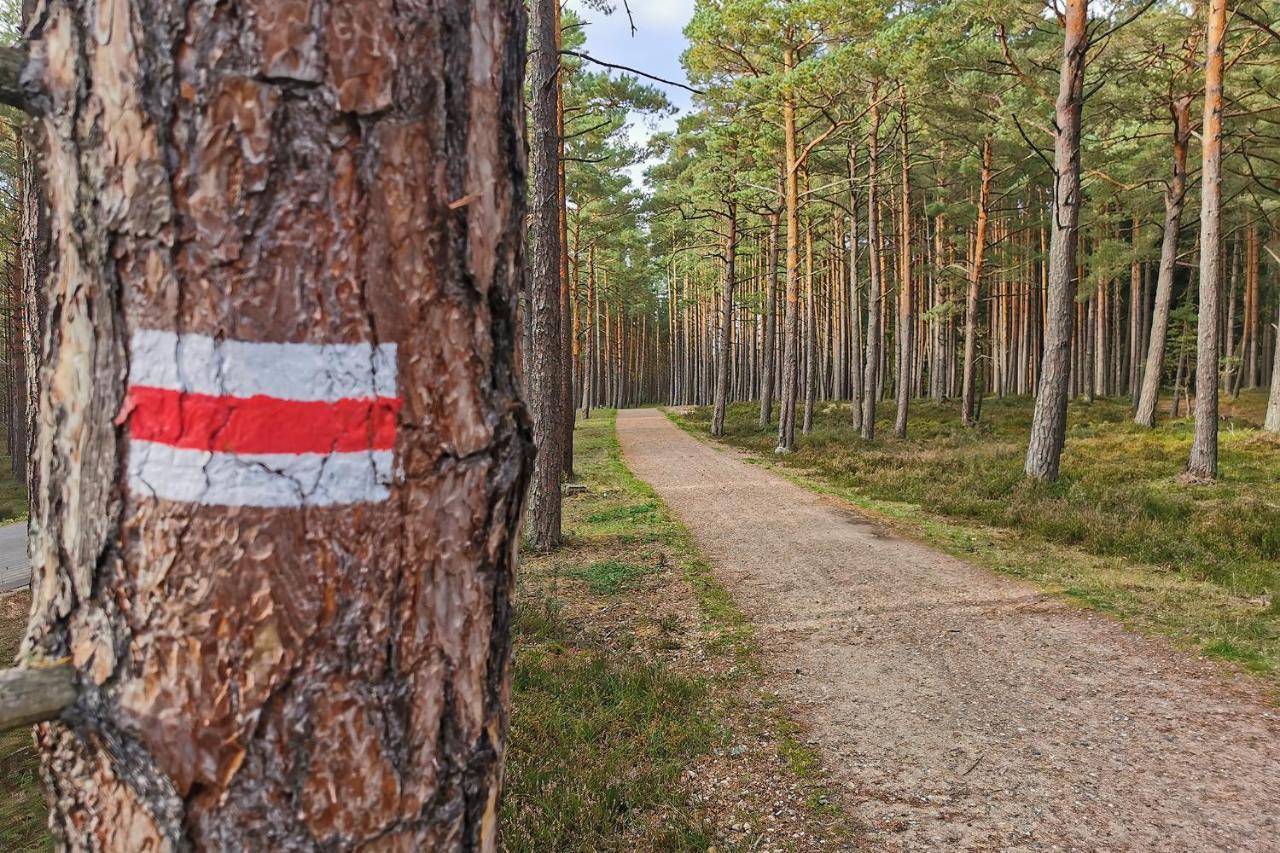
[258, 479]
[203, 365]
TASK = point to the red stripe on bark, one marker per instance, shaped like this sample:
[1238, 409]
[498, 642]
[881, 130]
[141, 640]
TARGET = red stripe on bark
[261, 424]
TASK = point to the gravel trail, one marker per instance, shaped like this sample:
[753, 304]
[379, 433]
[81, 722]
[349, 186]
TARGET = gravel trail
[962, 710]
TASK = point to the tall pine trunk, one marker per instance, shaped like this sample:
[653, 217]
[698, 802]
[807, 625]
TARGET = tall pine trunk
[1049, 421]
[875, 335]
[855, 298]
[545, 358]
[1174, 199]
[906, 329]
[767, 357]
[791, 331]
[967, 409]
[1202, 462]
[726, 322]
[273, 655]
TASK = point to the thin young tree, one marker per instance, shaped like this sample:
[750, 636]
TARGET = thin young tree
[1049, 421]
[1202, 464]
[281, 446]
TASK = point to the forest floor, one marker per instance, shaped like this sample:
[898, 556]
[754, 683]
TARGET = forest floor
[1118, 532]
[960, 708]
[638, 719]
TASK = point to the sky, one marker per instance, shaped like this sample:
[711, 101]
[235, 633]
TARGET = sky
[655, 48]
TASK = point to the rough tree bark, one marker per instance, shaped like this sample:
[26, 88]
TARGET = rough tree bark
[289, 611]
[791, 317]
[1049, 421]
[871, 374]
[726, 321]
[545, 358]
[1202, 463]
[1174, 200]
[767, 379]
[970, 367]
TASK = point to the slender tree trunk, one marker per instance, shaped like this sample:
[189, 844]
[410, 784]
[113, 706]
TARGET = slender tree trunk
[767, 357]
[1049, 421]
[275, 652]
[726, 322]
[589, 356]
[568, 324]
[791, 334]
[546, 344]
[855, 299]
[1174, 200]
[811, 330]
[1202, 463]
[1229, 325]
[871, 375]
[1135, 313]
[967, 411]
[906, 330]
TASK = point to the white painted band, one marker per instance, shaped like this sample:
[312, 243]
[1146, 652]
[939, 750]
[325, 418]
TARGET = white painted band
[258, 480]
[202, 365]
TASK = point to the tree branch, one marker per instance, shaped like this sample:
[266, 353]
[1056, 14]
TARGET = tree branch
[34, 694]
[628, 69]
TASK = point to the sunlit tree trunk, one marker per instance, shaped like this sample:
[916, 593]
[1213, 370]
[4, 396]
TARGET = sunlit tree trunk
[1203, 460]
[1049, 421]
[293, 635]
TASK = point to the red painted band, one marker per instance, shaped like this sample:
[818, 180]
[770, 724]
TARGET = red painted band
[261, 424]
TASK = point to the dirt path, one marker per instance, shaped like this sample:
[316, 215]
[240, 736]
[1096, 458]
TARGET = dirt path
[961, 709]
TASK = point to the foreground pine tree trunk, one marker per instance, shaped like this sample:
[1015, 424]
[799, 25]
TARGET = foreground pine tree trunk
[280, 446]
[1202, 463]
[1049, 422]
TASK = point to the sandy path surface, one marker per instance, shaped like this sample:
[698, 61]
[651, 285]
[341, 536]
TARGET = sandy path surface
[961, 709]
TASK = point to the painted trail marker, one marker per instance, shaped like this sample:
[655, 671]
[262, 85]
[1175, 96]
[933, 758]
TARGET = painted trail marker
[240, 423]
